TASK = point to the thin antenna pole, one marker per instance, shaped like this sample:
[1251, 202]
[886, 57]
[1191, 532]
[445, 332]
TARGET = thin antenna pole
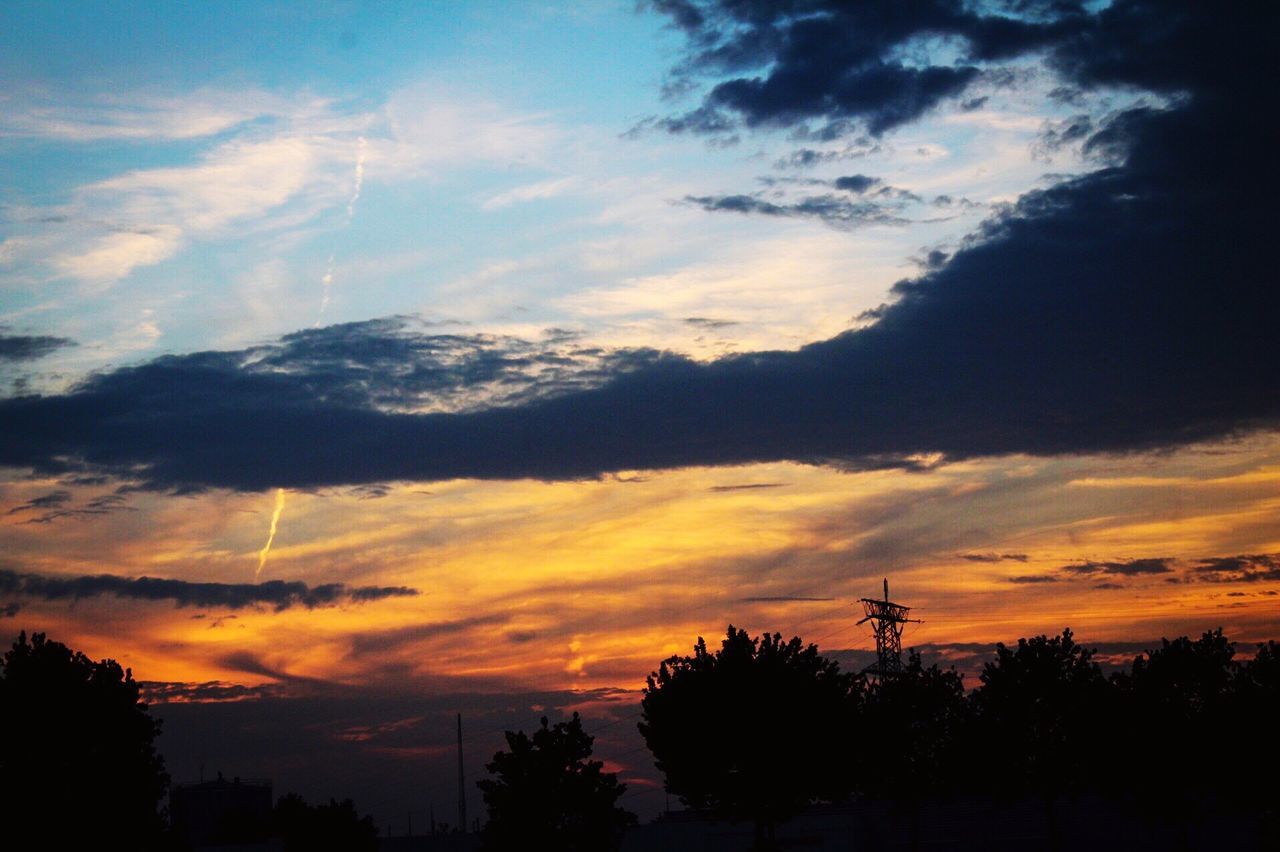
[462, 790]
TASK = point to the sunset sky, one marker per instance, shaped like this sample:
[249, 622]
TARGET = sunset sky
[477, 356]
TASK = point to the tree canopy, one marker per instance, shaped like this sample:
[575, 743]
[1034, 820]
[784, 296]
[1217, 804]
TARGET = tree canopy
[77, 754]
[336, 825]
[913, 725]
[746, 732]
[547, 794]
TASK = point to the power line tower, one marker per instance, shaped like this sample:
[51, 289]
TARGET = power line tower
[887, 620]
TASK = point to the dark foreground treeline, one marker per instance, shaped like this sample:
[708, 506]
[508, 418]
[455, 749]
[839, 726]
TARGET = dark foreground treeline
[758, 730]
[762, 728]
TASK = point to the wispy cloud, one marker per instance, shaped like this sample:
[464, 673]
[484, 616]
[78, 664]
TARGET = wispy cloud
[138, 116]
[529, 192]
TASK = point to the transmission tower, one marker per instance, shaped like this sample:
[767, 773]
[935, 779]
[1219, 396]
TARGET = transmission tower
[887, 619]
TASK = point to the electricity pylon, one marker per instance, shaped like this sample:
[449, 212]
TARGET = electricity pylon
[887, 620]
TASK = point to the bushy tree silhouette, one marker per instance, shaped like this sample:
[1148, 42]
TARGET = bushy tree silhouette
[1039, 719]
[78, 765]
[1257, 700]
[336, 825]
[913, 725]
[754, 731]
[547, 794]
[1180, 693]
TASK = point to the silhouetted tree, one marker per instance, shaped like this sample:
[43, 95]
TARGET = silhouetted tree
[912, 726]
[1176, 704]
[547, 794]
[1039, 717]
[78, 765]
[756, 730]
[336, 825]
[1257, 704]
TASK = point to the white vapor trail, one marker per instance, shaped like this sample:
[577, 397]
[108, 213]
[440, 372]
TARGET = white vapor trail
[271, 536]
[362, 149]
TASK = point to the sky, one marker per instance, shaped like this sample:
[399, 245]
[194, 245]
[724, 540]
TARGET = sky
[361, 364]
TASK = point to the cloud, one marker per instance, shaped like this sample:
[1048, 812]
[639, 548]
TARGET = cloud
[781, 64]
[529, 192]
[277, 594]
[1057, 135]
[250, 663]
[181, 692]
[994, 557]
[748, 486]
[381, 641]
[1251, 568]
[145, 216]
[804, 158]
[1244, 568]
[832, 210]
[17, 347]
[57, 504]
[1127, 568]
[857, 183]
[204, 112]
[44, 501]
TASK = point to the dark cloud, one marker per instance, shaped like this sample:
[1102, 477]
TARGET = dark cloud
[175, 692]
[45, 501]
[750, 486]
[805, 158]
[788, 62]
[1245, 568]
[1127, 568]
[994, 557]
[250, 663]
[876, 204]
[951, 202]
[832, 210]
[707, 322]
[16, 347]
[277, 594]
[857, 183]
[1031, 579]
[1056, 135]
[50, 507]
[9, 610]
[1252, 568]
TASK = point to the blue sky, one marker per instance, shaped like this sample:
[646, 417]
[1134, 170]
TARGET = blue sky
[184, 178]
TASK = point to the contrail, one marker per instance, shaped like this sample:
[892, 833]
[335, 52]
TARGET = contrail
[275, 521]
[362, 147]
[326, 281]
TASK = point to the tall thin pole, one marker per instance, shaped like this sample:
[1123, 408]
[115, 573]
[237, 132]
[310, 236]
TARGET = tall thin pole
[462, 790]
